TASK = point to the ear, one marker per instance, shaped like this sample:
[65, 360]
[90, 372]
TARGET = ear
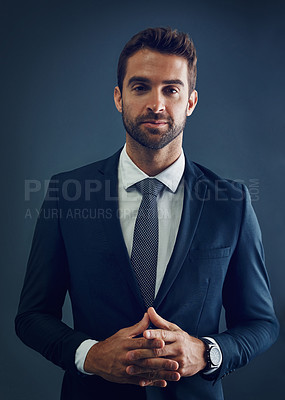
[193, 99]
[118, 98]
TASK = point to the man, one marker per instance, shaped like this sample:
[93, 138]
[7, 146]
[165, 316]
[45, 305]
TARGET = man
[148, 273]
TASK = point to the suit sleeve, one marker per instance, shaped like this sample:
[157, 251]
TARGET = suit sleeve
[252, 326]
[38, 322]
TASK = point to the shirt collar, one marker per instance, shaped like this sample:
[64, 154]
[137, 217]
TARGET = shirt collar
[131, 174]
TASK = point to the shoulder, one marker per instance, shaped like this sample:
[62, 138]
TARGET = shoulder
[218, 186]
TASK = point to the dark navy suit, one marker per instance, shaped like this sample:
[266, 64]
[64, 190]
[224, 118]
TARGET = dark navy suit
[78, 247]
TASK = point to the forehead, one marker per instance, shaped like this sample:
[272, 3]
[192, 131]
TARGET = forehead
[156, 66]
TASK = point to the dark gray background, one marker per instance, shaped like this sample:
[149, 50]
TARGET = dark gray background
[58, 70]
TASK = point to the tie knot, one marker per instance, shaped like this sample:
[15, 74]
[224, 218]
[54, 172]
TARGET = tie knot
[150, 186]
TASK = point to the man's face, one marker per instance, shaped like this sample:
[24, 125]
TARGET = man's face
[155, 100]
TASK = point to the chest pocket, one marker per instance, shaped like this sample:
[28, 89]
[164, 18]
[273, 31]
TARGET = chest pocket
[209, 253]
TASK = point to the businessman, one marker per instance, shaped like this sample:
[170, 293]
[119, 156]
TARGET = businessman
[150, 246]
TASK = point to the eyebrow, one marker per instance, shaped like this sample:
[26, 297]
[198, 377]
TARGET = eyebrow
[146, 80]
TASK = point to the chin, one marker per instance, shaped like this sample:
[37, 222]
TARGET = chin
[154, 144]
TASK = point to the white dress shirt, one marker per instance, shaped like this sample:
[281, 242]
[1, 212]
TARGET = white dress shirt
[169, 204]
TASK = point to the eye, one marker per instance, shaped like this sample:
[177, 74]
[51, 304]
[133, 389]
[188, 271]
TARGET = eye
[171, 90]
[140, 89]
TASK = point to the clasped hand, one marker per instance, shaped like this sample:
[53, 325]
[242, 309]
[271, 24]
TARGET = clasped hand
[160, 355]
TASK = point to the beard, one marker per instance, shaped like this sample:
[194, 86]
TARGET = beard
[153, 138]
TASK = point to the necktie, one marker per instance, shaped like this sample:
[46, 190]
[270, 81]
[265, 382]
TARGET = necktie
[145, 241]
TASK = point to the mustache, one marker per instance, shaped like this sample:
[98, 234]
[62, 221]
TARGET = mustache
[154, 117]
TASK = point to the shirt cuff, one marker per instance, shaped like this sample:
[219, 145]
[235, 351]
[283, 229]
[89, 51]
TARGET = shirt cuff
[213, 369]
[81, 354]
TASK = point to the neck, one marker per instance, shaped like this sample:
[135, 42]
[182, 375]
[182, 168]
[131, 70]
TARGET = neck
[153, 161]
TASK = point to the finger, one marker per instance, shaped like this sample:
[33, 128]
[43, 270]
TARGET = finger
[160, 322]
[154, 375]
[151, 364]
[140, 354]
[165, 335]
[138, 380]
[138, 328]
[169, 351]
[142, 343]
[158, 383]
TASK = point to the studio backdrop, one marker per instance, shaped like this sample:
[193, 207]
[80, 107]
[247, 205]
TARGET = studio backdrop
[58, 67]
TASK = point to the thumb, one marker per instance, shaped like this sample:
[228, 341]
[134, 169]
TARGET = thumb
[140, 327]
[160, 322]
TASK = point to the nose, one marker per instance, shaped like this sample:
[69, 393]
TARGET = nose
[156, 102]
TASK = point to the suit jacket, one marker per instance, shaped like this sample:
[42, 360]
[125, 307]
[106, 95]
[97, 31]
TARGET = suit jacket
[78, 247]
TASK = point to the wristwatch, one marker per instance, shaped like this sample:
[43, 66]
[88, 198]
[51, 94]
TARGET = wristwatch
[213, 355]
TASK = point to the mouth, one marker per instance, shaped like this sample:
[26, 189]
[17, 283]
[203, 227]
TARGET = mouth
[155, 123]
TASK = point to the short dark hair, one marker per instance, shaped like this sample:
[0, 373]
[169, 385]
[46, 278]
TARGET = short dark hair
[163, 40]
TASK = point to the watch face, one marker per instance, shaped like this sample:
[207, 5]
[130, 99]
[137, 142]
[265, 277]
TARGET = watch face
[215, 356]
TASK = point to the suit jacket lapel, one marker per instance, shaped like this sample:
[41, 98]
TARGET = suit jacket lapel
[194, 194]
[108, 199]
